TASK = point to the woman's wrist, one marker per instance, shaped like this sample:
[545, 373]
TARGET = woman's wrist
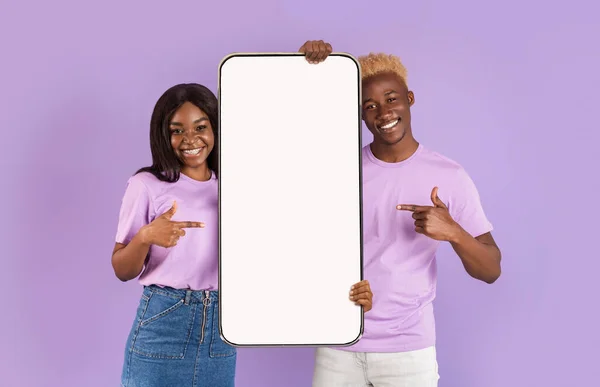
[144, 236]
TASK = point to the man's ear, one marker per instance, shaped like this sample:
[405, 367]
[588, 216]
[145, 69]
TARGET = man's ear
[411, 98]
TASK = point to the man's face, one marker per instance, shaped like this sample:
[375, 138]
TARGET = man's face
[386, 107]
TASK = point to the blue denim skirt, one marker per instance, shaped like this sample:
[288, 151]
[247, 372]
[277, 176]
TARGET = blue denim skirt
[175, 342]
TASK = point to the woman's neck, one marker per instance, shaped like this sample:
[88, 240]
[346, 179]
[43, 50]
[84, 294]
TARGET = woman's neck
[201, 173]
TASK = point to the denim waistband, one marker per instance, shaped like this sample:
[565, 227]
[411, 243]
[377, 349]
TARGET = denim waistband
[190, 296]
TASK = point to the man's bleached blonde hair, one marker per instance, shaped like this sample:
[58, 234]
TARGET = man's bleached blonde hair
[378, 63]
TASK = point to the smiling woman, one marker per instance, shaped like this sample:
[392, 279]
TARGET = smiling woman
[168, 236]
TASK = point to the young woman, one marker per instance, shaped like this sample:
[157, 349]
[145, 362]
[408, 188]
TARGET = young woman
[168, 236]
[167, 231]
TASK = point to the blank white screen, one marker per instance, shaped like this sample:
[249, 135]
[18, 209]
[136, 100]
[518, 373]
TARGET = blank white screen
[290, 191]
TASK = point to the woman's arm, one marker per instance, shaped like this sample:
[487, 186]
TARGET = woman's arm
[128, 259]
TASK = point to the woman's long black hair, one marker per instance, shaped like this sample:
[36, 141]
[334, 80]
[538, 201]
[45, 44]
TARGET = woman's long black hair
[166, 166]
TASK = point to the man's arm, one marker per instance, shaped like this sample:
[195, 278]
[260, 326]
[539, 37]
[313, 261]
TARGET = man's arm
[480, 256]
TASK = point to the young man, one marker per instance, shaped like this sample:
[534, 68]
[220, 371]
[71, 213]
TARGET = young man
[414, 198]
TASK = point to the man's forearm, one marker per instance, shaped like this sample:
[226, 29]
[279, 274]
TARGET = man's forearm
[481, 260]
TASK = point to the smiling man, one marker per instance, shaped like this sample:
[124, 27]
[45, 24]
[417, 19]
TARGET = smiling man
[413, 199]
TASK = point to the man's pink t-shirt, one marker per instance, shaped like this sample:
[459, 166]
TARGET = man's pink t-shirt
[400, 263]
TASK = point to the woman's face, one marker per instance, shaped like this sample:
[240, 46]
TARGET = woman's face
[192, 136]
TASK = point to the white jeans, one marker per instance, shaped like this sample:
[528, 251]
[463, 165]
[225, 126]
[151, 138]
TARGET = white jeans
[336, 368]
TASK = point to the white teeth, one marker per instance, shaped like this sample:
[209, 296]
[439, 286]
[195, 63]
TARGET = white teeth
[391, 124]
[192, 152]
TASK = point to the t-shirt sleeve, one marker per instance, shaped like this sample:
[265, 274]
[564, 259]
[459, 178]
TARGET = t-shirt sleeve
[466, 208]
[135, 210]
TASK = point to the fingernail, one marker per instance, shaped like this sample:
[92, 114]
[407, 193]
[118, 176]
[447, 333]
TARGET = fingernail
[398, 207]
[351, 292]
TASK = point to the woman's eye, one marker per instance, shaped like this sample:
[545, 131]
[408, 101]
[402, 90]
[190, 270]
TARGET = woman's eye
[201, 127]
[176, 131]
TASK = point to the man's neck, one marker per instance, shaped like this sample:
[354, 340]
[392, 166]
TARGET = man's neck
[395, 153]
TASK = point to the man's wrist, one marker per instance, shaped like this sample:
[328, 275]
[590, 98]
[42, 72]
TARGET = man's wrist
[457, 235]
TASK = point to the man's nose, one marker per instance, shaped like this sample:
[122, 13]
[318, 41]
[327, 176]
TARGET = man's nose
[383, 112]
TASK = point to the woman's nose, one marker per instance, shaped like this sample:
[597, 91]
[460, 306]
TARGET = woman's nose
[189, 137]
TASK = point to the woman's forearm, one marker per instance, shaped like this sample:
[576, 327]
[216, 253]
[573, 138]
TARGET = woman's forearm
[128, 260]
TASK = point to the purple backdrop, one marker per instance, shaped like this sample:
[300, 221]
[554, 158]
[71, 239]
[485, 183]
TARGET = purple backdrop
[509, 89]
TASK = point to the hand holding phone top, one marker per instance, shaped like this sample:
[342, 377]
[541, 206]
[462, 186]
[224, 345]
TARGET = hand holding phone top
[316, 51]
[164, 232]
